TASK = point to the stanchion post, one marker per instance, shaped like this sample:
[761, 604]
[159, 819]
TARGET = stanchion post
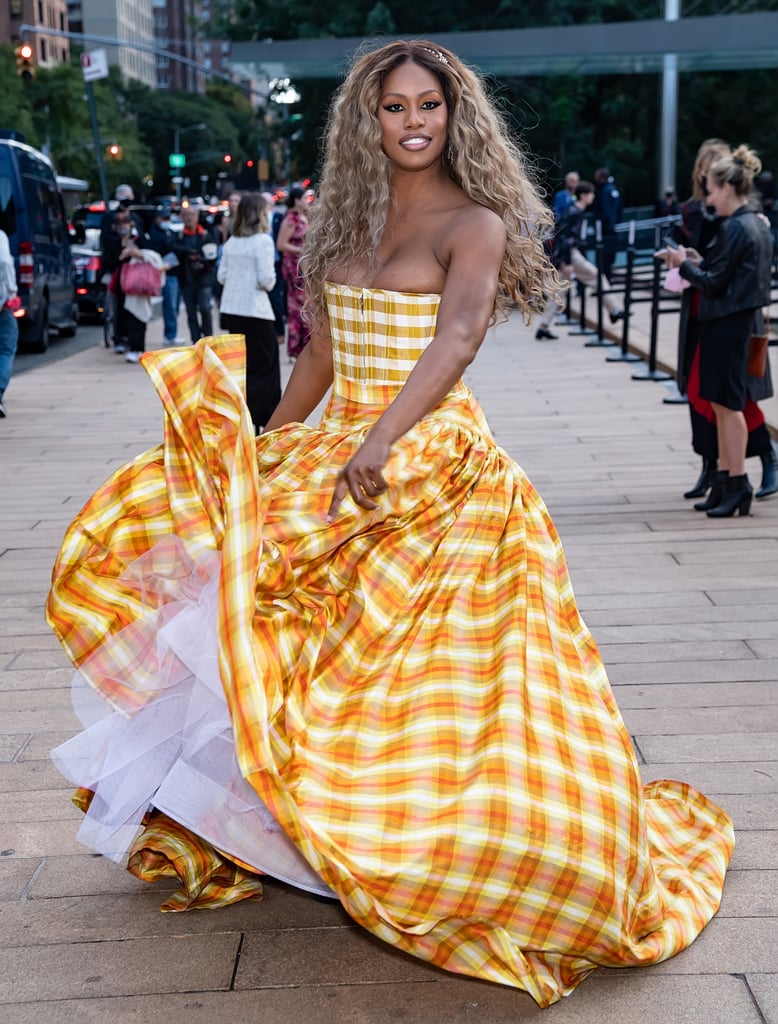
[625, 356]
[651, 372]
[600, 341]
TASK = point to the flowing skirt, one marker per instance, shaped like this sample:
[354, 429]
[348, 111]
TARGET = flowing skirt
[402, 707]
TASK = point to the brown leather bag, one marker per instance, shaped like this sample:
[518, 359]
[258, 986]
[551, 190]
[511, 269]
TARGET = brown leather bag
[757, 352]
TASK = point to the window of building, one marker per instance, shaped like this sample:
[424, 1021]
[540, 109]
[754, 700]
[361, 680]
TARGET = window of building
[40, 12]
[44, 52]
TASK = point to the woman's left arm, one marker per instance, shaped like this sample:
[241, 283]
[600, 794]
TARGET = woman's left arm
[474, 254]
[266, 263]
[720, 264]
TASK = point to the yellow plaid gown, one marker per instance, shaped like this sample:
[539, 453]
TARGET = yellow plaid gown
[413, 697]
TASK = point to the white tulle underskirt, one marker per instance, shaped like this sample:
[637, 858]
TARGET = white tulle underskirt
[177, 753]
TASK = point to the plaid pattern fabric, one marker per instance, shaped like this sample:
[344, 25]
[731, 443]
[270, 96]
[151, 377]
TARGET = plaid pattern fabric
[412, 690]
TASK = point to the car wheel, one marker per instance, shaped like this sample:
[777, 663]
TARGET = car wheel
[38, 341]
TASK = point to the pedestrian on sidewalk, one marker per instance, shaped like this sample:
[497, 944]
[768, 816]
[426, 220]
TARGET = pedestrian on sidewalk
[698, 227]
[247, 274]
[734, 281]
[161, 240]
[136, 309]
[568, 257]
[9, 325]
[290, 241]
[349, 655]
[197, 250]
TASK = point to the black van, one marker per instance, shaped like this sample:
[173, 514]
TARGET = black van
[32, 214]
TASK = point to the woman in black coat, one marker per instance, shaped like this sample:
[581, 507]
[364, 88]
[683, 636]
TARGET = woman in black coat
[734, 282]
[697, 229]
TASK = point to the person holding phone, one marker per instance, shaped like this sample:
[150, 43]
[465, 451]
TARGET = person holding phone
[733, 281]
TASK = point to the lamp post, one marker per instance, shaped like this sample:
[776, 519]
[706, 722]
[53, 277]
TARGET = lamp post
[177, 133]
[283, 93]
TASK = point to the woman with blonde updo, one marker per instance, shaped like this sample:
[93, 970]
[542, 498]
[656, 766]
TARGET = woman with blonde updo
[400, 705]
[734, 281]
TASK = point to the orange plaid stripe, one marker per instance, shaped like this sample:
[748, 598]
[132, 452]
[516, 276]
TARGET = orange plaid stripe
[412, 690]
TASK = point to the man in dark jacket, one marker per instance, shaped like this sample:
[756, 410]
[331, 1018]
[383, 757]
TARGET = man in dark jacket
[607, 209]
[197, 250]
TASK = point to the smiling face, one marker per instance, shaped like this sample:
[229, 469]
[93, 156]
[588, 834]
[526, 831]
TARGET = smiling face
[413, 116]
[721, 197]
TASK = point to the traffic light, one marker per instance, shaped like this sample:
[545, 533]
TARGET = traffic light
[114, 151]
[24, 63]
[228, 158]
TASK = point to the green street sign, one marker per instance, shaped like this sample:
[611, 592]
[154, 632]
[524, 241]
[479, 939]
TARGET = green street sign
[177, 160]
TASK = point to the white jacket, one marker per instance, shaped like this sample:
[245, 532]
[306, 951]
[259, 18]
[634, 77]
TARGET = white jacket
[7, 270]
[247, 272]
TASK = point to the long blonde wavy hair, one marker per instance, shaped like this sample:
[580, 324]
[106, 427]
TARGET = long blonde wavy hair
[352, 205]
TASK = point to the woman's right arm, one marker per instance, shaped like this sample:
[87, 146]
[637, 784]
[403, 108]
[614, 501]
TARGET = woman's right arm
[311, 379]
[285, 233]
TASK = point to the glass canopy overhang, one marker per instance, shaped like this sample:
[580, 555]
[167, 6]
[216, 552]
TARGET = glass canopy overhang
[732, 42]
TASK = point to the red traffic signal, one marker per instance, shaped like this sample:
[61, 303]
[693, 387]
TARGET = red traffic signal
[24, 64]
[114, 151]
[228, 158]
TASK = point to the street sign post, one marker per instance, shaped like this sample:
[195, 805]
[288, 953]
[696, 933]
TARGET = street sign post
[94, 65]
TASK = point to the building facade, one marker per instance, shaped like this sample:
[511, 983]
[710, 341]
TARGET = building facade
[130, 21]
[48, 50]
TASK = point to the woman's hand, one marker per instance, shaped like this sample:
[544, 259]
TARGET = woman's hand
[675, 257]
[362, 477]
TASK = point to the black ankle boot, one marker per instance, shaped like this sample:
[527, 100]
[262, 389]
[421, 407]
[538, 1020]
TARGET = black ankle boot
[717, 489]
[769, 474]
[707, 476]
[737, 498]
[544, 334]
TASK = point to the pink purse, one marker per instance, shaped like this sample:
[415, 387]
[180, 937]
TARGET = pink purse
[140, 279]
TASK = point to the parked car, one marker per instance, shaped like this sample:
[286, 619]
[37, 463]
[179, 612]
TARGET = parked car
[33, 216]
[88, 278]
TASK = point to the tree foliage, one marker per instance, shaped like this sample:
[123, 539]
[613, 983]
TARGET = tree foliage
[567, 122]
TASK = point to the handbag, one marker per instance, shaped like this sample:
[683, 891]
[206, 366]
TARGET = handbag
[757, 351]
[140, 279]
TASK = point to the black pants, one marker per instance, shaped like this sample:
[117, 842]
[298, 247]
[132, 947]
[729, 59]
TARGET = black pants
[132, 331]
[197, 300]
[263, 370]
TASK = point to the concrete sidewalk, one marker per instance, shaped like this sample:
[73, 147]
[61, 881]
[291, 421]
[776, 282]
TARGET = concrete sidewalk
[685, 610]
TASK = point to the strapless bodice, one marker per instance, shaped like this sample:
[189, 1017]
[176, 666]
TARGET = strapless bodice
[377, 338]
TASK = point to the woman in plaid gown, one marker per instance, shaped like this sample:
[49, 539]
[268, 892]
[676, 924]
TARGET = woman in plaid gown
[349, 655]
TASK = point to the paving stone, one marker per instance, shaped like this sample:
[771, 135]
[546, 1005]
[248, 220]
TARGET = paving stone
[746, 669]
[39, 839]
[12, 745]
[744, 777]
[764, 988]
[133, 966]
[57, 678]
[37, 805]
[342, 955]
[750, 894]
[602, 998]
[666, 612]
[752, 813]
[728, 945]
[703, 721]
[674, 696]
[755, 850]
[685, 748]
[119, 906]
[40, 746]
[15, 876]
[713, 651]
[24, 775]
